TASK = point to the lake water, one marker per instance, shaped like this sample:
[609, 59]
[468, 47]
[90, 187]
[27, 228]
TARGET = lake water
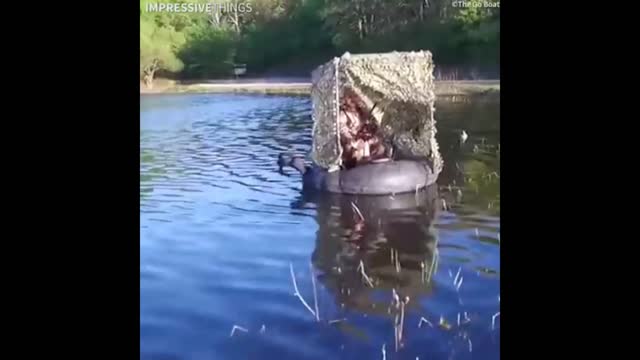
[222, 229]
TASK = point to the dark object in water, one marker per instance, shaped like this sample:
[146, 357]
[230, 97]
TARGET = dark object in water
[391, 177]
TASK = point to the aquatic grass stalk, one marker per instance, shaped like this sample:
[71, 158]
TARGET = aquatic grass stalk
[238, 328]
[297, 292]
[493, 320]
[396, 335]
[443, 323]
[402, 305]
[455, 280]
[396, 322]
[436, 262]
[399, 318]
[364, 275]
[357, 210]
[395, 299]
[315, 294]
[434, 265]
[422, 319]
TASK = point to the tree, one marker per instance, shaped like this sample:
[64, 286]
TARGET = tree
[291, 36]
[158, 48]
[209, 52]
[161, 37]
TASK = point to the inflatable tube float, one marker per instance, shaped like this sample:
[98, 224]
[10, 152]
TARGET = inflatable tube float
[382, 178]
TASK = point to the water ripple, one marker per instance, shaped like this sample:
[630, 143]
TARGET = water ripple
[220, 228]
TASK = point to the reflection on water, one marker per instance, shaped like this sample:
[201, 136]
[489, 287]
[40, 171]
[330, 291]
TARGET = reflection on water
[368, 232]
[221, 231]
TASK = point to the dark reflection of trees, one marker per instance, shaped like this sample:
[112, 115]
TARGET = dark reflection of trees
[400, 223]
[476, 115]
[471, 174]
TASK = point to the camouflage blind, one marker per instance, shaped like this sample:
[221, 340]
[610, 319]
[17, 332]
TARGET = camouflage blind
[398, 86]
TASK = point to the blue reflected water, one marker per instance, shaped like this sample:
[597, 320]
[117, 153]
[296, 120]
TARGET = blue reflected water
[221, 230]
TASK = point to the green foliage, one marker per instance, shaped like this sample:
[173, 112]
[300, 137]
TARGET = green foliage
[159, 43]
[283, 33]
[209, 53]
[296, 36]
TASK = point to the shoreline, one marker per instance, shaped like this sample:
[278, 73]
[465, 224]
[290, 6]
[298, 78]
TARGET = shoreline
[258, 86]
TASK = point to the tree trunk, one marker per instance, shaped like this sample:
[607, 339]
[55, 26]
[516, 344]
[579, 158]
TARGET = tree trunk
[237, 25]
[370, 26]
[148, 76]
[235, 21]
[234, 18]
[214, 20]
[148, 80]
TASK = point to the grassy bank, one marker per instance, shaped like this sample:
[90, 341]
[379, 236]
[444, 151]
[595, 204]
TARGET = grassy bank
[443, 88]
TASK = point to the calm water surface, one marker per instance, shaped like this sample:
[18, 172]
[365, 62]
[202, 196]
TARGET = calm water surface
[221, 230]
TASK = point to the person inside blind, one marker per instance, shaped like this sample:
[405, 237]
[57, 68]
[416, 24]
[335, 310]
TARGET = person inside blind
[359, 133]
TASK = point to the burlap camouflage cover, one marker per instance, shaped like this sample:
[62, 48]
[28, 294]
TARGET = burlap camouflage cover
[399, 84]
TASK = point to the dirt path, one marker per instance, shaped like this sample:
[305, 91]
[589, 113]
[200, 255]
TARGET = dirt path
[301, 86]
